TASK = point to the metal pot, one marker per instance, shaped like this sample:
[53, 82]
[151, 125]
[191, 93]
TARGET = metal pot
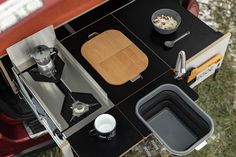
[42, 56]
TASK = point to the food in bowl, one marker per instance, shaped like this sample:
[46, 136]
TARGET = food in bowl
[165, 22]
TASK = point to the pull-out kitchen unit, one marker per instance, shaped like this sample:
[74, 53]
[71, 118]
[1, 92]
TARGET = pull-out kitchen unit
[51, 100]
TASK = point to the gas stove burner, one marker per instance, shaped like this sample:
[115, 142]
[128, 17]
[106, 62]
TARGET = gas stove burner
[55, 73]
[78, 106]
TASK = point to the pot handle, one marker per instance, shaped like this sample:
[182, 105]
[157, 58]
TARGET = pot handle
[56, 53]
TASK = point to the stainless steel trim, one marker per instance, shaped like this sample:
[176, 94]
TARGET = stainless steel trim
[49, 97]
[19, 52]
[55, 138]
[83, 72]
[27, 98]
[24, 92]
[77, 79]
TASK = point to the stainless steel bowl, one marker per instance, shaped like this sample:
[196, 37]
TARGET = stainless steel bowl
[166, 12]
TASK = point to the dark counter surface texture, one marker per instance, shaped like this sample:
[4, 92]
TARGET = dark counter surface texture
[87, 146]
[118, 93]
[137, 18]
[134, 21]
[128, 106]
[130, 129]
[93, 15]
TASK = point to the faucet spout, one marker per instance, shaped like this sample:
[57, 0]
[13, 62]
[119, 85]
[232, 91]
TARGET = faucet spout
[180, 67]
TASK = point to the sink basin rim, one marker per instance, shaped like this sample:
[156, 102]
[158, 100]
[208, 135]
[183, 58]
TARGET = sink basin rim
[190, 102]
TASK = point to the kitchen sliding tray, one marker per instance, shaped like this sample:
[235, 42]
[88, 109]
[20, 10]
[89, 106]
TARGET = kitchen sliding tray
[114, 57]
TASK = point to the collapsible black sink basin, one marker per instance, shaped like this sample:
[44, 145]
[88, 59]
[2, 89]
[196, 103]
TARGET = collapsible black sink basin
[177, 121]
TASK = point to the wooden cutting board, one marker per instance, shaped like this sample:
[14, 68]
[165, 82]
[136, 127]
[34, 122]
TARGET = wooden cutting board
[114, 57]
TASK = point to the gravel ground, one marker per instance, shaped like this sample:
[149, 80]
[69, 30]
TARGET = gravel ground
[217, 97]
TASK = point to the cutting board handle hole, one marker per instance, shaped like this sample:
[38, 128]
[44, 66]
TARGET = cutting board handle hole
[94, 34]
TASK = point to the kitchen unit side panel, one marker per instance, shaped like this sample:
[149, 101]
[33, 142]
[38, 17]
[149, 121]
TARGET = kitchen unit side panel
[216, 48]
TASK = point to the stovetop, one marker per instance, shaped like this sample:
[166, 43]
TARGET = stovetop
[87, 98]
[54, 94]
[35, 74]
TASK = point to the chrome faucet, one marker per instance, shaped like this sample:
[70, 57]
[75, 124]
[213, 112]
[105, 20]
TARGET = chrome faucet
[180, 67]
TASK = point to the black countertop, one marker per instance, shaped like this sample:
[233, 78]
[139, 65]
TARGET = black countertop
[91, 16]
[155, 68]
[87, 146]
[130, 130]
[128, 106]
[134, 21]
[137, 18]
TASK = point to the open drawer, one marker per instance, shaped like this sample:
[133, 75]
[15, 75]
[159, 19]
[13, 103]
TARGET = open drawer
[177, 121]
